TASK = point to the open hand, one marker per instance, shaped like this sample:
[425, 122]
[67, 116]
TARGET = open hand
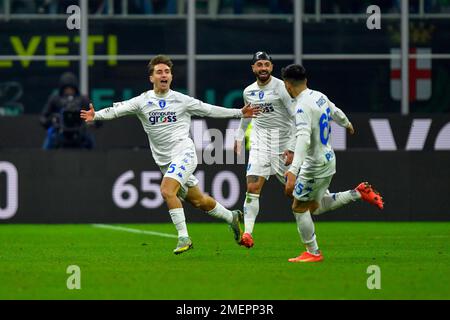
[88, 115]
[249, 111]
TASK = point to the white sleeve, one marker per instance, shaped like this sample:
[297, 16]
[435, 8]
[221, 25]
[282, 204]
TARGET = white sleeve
[303, 121]
[338, 115]
[301, 148]
[303, 138]
[292, 140]
[119, 109]
[199, 108]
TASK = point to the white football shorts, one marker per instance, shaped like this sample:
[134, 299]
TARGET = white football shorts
[182, 169]
[265, 164]
[308, 188]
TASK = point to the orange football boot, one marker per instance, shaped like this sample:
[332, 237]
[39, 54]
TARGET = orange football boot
[307, 257]
[370, 195]
[247, 240]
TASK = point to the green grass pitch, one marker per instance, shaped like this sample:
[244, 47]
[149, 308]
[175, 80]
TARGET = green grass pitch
[414, 262]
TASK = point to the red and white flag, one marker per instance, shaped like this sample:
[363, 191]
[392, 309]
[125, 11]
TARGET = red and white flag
[419, 76]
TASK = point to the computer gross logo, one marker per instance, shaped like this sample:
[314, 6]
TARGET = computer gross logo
[162, 117]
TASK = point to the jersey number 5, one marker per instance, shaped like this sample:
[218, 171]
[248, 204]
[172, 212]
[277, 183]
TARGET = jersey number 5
[325, 127]
[171, 168]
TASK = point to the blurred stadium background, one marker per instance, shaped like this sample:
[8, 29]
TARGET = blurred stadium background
[393, 82]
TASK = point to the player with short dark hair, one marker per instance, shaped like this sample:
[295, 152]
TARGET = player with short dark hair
[314, 162]
[166, 117]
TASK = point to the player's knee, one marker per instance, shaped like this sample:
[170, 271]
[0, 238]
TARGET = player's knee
[167, 193]
[298, 208]
[313, 207]
[254, 184]
[301, 207]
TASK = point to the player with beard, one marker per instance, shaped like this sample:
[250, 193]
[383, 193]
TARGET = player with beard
[272, 142]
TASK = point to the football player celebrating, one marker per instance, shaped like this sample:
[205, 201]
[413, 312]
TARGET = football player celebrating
[314, 162]
[272, 142]
[166, 117]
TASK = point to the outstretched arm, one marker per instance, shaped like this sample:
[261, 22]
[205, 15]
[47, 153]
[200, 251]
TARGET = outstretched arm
[199, 108]
[119, 109]
[104, 114]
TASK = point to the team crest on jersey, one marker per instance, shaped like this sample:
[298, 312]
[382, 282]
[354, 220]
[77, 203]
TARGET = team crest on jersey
[162, 104]
[261, 95]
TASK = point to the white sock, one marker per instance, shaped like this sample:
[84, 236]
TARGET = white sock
[179, 221]
[222, 213]
[251, 210]
[305, 227]
[332, 201]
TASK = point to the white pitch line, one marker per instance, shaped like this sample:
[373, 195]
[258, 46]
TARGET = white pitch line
[117, 228]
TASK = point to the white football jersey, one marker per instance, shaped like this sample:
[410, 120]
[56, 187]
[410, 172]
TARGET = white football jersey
[273, 129]
[166, 120]
[313, 113]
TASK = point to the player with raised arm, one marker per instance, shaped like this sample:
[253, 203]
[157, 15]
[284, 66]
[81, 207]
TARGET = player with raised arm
[314, 162]
[166, 117]
[272, 141]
